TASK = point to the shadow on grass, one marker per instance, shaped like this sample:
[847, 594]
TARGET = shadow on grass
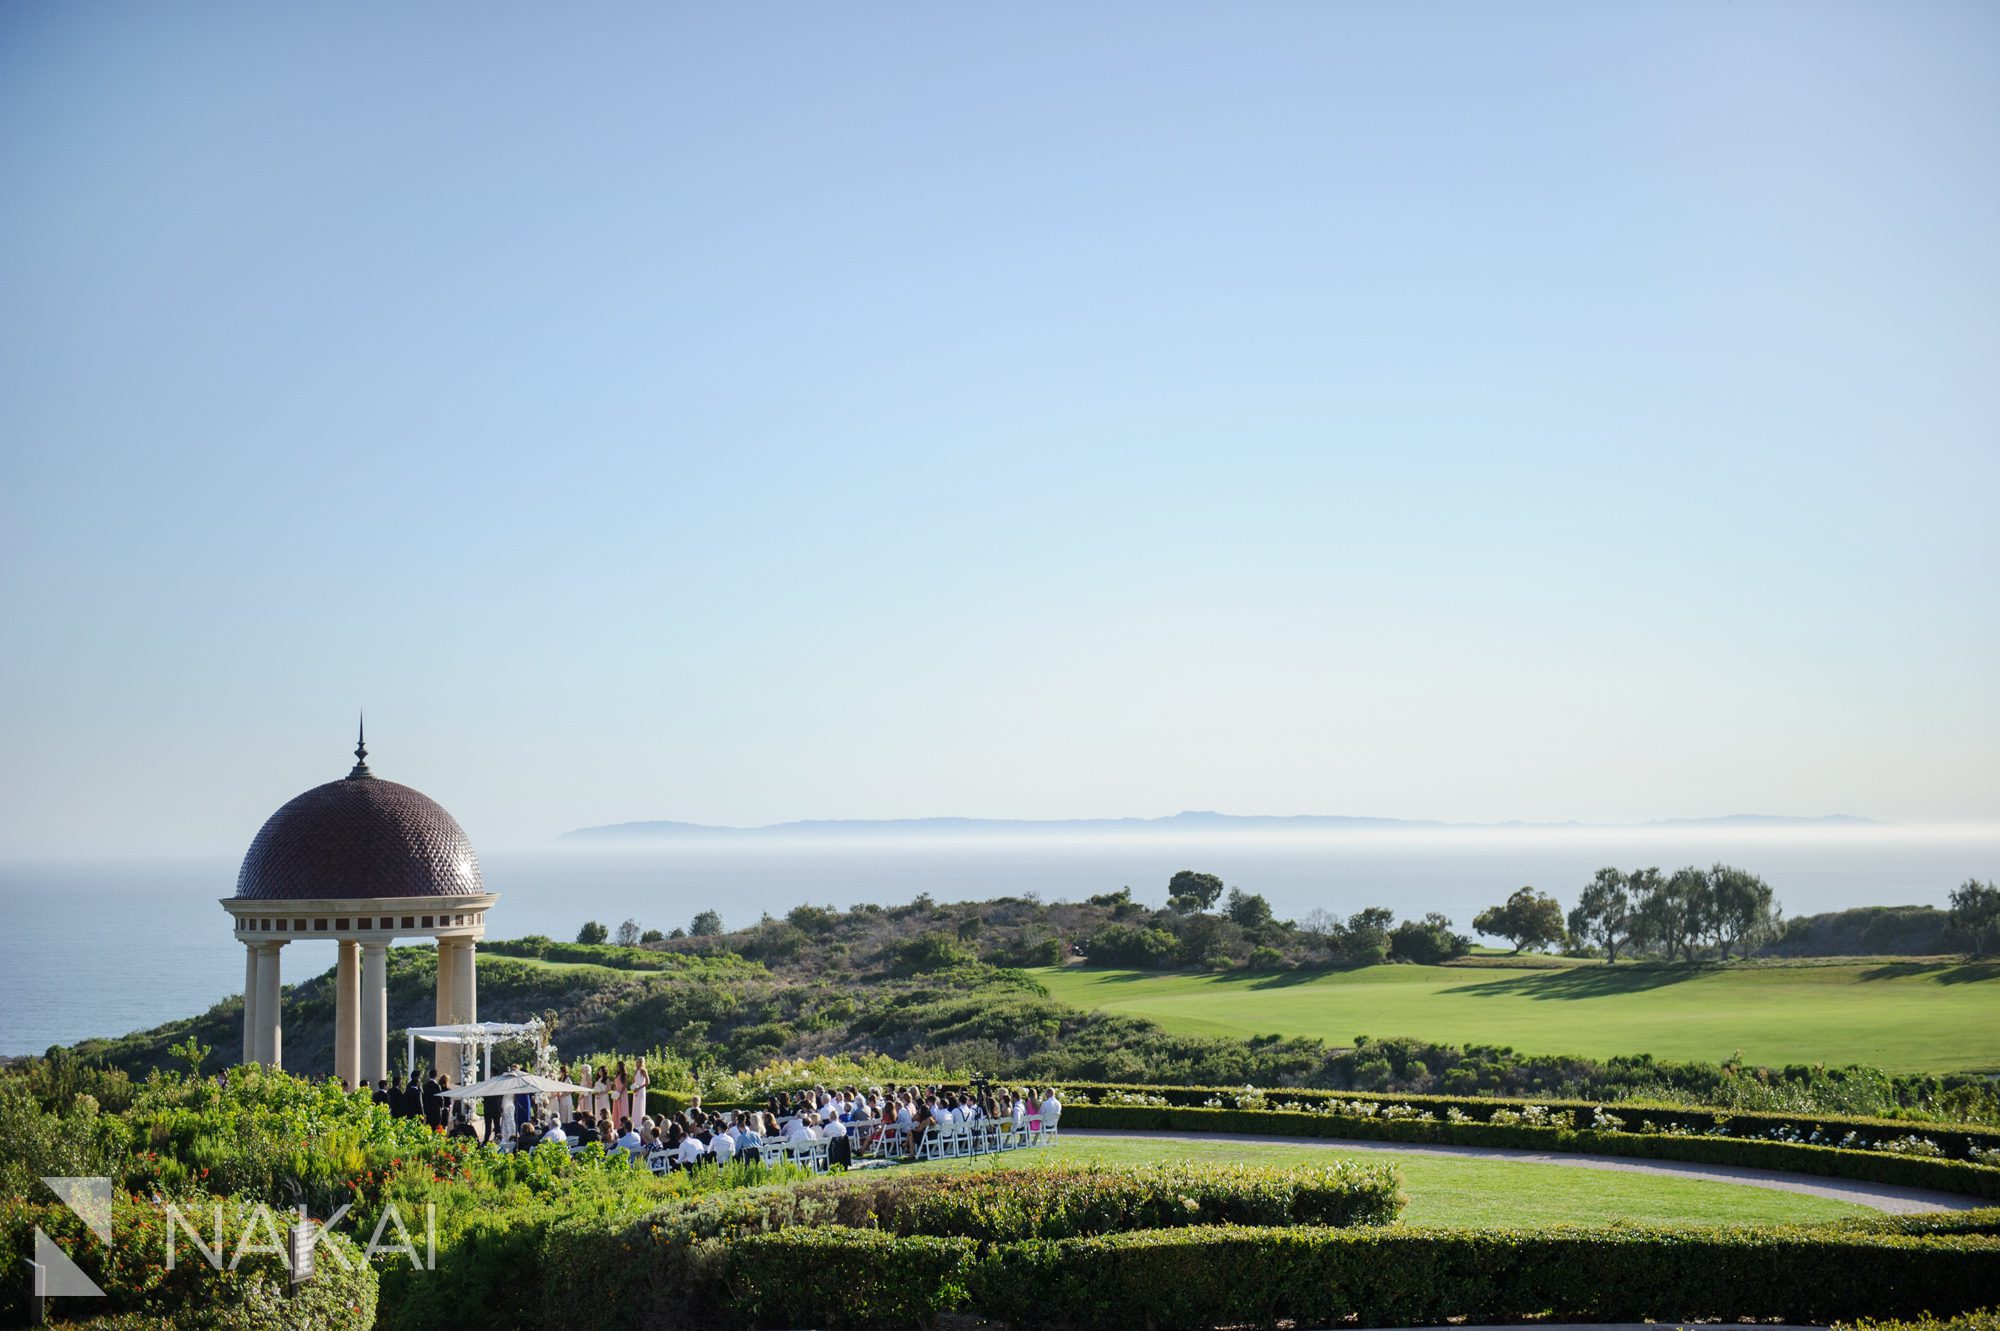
[1945, 972]
[1596, 982]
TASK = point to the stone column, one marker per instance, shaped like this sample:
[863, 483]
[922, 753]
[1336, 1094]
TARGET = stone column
[466, 976]
[270, 1001]
[374, 1012]
[250, 1027]
[347, 1013]
[444, 1057]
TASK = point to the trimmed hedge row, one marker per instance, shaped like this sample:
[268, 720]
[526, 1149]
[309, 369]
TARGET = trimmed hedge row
[1956, 1140]
[1070, 1201]
[1865, 1166]
[1194, 1278]
[1200, 1277]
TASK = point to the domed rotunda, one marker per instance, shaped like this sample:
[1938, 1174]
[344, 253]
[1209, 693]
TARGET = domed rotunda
[362, 862]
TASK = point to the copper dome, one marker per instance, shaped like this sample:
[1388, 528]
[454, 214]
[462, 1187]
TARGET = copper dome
[361, 837]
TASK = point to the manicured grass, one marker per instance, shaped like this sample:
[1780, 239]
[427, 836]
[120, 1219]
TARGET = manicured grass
[1481, 1194]
[1936, 1016]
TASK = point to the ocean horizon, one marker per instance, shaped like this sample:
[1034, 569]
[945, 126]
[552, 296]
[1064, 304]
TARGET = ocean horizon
[164, 948]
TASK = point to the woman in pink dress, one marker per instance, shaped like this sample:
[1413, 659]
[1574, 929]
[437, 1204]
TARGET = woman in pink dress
[640, 1081]
[621, 1095]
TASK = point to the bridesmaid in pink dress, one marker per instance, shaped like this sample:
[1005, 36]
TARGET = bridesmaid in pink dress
[621, 1095]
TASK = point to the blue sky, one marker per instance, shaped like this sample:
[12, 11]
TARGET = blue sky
[743, 413]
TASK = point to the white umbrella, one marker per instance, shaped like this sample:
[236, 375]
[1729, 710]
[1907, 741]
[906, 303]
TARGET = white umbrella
[514, 1083]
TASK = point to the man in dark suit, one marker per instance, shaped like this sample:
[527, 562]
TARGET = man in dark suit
[382, 1091]
[431, 1101]
[413, 1098]
[489, 1106]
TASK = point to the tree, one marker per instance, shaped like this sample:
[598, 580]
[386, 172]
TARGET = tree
[1427, 942]
[652, 936]
[706, 924]
[1319, 923]
[1738, 907]
[592, 932]
[1975, 913]
[1527, 919]
[628, 934]
[1365, 941]
[1674, 911]
[1188, 891]
[1247, 908]
[1603, 913]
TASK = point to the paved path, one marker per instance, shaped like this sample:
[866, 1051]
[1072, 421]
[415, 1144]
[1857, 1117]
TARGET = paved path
[1880, 1196]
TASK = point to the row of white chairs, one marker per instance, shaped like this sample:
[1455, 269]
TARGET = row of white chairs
[951, 1141]
[771, 1150]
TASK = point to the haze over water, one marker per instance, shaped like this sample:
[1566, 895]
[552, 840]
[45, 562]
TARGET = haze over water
[165, 949]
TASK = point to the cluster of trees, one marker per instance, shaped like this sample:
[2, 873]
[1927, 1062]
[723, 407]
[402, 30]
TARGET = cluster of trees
[1975, 916]
[628, 934]
[1679, 915]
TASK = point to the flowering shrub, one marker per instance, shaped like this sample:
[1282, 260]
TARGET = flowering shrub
[1912, 1145]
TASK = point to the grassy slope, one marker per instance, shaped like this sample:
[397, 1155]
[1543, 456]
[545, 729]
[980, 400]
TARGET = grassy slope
[1905, 1017]
[1486, 1194]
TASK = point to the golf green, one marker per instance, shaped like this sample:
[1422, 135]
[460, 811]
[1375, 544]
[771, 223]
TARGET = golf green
[1901, 1016]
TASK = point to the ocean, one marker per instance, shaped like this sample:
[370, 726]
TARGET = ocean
[106, 947]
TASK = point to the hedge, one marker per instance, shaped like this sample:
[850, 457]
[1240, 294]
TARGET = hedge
[1865, 1166]
[1956, 1140]
[1384, 1277]
[1194, 1277]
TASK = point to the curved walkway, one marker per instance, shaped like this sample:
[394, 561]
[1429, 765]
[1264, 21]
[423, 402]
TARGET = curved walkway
[1881, 1196]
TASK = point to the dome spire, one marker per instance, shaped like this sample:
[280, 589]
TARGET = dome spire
[360, 772]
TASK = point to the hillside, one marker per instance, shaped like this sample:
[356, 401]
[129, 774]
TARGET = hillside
[943, 985]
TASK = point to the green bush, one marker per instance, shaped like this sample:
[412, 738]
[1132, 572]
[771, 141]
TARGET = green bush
[1195, 1278]
[1866, 1166]
[248, 1295]
[1073, 1201]
[844, 1278]
[1955, 1141]
[1987, 1319]
[1203, 1276]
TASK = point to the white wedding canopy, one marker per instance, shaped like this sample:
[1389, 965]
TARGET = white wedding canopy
[515, 1083]
[483, 1034]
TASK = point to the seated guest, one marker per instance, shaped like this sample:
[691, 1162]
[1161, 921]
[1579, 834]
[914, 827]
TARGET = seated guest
[553, 1135]
[628, 1141]
[723, 1147]
[691, 1152]
[1051, 1108]
[529, 1137]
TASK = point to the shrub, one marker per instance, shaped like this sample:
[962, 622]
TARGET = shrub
[1391, 1122]
[132, 1270]
[1197, 1278]
[1072, 1201]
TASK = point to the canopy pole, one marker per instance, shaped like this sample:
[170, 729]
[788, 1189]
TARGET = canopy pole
[411, 1064]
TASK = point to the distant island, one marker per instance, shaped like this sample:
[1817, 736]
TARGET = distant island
[1189, 821]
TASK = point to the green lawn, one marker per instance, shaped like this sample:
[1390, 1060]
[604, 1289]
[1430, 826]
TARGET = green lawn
[1905, 1017]
[1483, 1194]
